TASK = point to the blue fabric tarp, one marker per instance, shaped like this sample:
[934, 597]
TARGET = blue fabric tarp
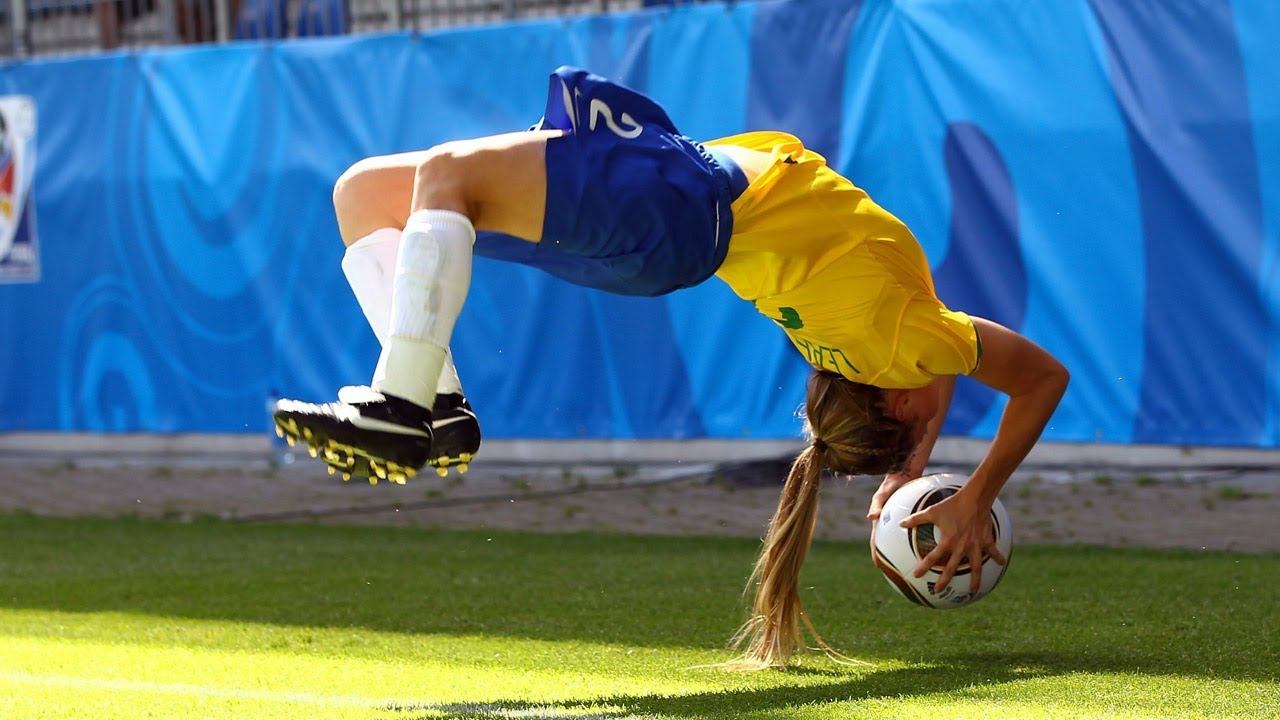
[1101, 175]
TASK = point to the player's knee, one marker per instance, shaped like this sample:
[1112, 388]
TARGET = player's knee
[443, 176]
[351, 187]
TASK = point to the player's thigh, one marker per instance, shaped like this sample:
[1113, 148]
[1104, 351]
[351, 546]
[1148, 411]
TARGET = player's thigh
[499, 181]
[375, 193]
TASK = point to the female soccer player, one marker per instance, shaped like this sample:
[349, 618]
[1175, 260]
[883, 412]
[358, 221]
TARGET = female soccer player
[605, 193]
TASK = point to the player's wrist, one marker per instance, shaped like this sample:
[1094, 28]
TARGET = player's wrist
[980, 492]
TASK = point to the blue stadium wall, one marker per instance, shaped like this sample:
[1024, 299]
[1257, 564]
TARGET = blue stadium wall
[1102, 175]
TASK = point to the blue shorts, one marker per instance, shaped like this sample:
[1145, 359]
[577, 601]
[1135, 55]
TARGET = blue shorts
[633, 207]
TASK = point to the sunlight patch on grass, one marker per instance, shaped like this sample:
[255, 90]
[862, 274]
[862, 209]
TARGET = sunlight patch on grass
[104, 665]
[132, 619]
[407, 669]
[344, 645]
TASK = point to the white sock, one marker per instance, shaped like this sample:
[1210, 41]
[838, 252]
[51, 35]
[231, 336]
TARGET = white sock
[432, 277]
[449, 382]
[369, 264]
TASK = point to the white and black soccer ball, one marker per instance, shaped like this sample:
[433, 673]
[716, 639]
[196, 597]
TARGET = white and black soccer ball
[898, 550]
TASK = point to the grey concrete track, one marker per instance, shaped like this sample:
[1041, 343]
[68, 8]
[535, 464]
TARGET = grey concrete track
[1149, 496]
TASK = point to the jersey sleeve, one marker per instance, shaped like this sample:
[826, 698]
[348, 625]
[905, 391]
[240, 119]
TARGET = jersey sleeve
[934, 341]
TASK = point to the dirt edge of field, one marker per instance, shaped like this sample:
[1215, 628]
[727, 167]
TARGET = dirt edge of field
[1224, 502]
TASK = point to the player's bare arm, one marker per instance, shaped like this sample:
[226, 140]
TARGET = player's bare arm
[943, 388]
[1034, 381]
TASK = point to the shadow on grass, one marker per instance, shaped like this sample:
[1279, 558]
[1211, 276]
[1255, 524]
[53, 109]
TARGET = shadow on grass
[839, 686]
[1060, 609]
[842, 687]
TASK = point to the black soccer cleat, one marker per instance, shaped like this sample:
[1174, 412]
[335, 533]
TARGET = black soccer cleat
[364, 433]
[457, 433]
[454, 427]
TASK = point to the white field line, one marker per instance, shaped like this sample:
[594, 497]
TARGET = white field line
[479, 710]
[18, 677]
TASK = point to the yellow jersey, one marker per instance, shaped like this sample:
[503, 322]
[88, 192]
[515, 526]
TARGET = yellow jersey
[845, 279]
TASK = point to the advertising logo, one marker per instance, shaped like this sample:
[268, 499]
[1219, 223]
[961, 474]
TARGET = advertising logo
[19, 250]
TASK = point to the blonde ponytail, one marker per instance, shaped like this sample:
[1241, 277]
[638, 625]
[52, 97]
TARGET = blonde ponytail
[774, 631]
[851, 434]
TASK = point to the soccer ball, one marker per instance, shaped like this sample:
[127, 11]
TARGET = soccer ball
[898, 550]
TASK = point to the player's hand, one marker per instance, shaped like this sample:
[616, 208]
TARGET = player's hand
[892, 482]
[963, 527]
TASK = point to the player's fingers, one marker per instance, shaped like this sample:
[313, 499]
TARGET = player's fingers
[947, 573]
[920, 518]
[890, 485]
[993, 551]
[975, 568]
[928, 561]
[878, 500]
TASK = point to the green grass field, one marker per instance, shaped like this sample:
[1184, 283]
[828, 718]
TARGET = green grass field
[134, 619]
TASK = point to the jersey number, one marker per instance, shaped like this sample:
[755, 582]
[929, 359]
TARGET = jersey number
[599, 109]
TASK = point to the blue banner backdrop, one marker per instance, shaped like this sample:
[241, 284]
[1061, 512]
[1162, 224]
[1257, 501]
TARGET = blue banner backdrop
[1102, 175]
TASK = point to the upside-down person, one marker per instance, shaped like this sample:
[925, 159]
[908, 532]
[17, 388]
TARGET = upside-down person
[607, 194]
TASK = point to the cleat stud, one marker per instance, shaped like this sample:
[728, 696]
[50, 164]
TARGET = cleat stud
[279, 431]
[397, 478]
[410, 472]
[291, 440]
[465, 457]
[346, 476]
[331, 469]
[373, 480]
[306, 433]
[442, 471]
[311, 450]
[462, 468]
